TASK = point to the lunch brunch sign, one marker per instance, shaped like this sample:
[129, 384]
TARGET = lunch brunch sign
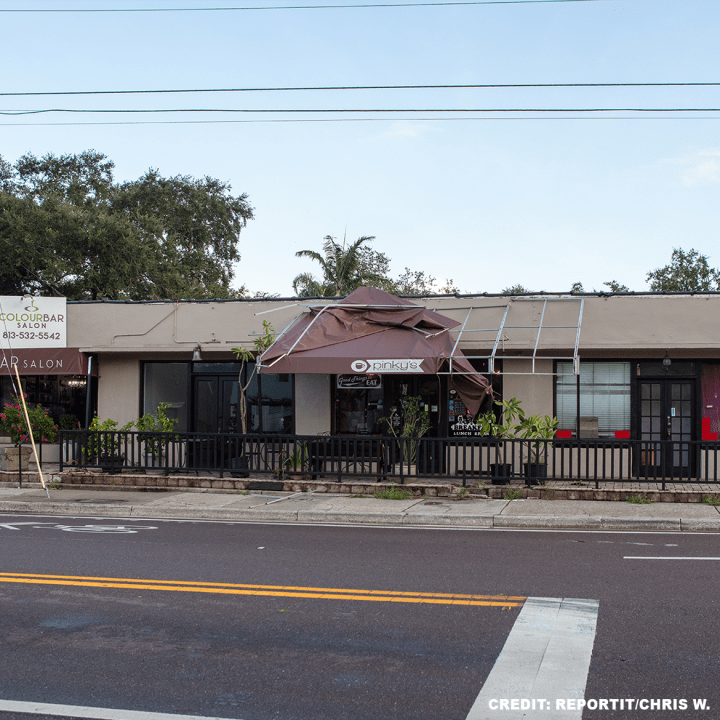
[33, 322]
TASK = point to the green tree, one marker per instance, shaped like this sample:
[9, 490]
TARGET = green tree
[417, 282]
[245, 355]
[344, 267]
[67, 227]
[577, 287]
[617, 287]
[515, 290]
[191, 227]
[687, 271]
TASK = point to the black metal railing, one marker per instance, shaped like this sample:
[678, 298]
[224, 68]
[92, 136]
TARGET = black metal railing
[470, 460]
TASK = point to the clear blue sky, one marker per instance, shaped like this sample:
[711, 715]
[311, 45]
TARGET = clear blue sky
[510, 198]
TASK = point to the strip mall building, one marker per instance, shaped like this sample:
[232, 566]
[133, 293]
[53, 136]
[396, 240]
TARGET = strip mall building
[649, 365]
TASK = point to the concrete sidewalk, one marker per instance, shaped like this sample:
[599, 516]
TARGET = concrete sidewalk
[346, 509]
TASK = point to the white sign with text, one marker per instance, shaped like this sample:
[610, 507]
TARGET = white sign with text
[402, 365]
[33, 322]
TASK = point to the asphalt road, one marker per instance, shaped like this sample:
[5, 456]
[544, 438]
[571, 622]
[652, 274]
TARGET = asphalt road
[288, 652]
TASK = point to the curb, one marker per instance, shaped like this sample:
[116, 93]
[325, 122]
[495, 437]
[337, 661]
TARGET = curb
[355, 486]
[414, 519]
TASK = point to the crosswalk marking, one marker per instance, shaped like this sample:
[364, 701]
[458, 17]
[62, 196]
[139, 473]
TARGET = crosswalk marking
[546, 657]
[94, 713]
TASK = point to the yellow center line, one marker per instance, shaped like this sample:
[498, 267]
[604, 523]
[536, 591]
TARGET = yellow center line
[265, 590]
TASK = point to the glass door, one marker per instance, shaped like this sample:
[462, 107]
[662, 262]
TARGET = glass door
[205, 405]
[215, 406]
[667, 411]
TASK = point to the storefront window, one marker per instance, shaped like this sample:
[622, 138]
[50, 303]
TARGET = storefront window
[166, 383]
[359, 411]
[60, 394]
[604, 394]
[276, 399]
[270, 401]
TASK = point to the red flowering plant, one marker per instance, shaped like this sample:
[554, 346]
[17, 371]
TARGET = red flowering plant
[12, 423]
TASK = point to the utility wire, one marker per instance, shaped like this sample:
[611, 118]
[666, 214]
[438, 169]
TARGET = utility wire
[16, 113]
[361, 87]
[355, 119]
[293, 7]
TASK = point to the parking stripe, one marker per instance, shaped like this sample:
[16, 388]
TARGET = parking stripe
[266, 590]
[666, 557]
[546, 658]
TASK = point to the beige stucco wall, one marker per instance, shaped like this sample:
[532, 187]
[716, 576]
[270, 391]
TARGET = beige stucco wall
[171, 327]
[535, 391]
[118, 388]
[633, 325]
[312, 404]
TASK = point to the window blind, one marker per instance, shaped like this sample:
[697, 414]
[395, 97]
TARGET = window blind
[604, 393]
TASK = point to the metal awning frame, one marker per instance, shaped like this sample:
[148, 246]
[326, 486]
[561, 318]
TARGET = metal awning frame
[575, 358]
[464, 329]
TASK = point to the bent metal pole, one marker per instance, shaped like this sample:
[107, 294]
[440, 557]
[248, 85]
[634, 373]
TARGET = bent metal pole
[32, 438]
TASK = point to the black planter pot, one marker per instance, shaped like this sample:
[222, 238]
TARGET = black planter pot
[500, 473]
[112, 464]
[239, 467]
[536, 473]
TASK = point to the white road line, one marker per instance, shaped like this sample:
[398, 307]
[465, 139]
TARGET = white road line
[91, 712]
[666, 557]
[546, 657]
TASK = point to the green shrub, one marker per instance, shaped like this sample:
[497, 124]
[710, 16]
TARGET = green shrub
[393, 493]
[150, 424]
[639, 500]
[68, 421]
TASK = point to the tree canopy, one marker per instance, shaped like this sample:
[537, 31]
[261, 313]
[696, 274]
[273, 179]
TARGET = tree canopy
[515, 290]
[687, 271]
[347, 267]
[66, 227]
[344, 267]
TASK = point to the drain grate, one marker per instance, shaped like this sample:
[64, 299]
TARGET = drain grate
[434, 502]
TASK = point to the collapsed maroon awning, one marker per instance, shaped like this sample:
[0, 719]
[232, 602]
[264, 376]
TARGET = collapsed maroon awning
[371, 331]
[45, 361]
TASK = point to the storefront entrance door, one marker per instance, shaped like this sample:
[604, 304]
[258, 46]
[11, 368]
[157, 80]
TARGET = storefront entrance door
[215, 404]
[667, 412]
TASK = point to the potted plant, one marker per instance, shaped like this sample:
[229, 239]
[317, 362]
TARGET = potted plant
[536, 429]
[408, 424]
[503, 428]
[104, 443]
[149, 427]
[12, 423]
[293, 460]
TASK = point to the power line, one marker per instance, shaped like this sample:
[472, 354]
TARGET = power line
[357, 119]
[293, 7]
[16, 113]
[362, 87]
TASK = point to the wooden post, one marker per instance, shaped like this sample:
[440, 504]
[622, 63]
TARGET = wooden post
[32, 439]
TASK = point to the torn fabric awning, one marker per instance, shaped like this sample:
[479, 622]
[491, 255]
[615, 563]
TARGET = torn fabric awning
[371, 331]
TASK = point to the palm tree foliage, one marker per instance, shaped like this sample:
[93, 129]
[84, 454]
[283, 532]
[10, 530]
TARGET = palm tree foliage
[344, 267]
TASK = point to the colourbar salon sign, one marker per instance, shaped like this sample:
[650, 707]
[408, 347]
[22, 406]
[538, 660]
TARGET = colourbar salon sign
[33, 322]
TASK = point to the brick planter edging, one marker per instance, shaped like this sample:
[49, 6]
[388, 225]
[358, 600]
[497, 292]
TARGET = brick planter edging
[160, 483]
